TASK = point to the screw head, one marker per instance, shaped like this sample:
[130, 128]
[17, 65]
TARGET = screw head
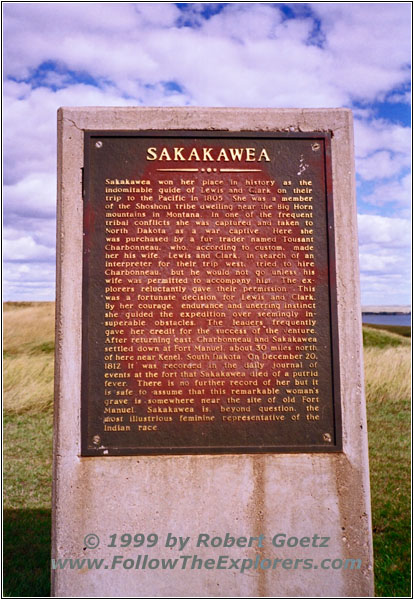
[327, 437]
[99, 144]
[96, 439]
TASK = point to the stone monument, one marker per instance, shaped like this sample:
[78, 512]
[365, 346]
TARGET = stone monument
[210, 429]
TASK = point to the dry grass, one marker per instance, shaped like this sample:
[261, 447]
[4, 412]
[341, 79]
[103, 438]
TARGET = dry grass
[28, 397]
[28, 384]
[28, 327]
[387, 374]
[28, 357]
[388, 409]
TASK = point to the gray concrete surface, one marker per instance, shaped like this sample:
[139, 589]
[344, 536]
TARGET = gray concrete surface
[244, 495]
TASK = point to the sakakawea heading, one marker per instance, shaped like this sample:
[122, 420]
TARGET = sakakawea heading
[207, 154]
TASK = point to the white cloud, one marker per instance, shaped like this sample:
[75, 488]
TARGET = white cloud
[32, 196]
[386, 290]
[381, 165]
[384, 259]
[34, 281]
[384, 232]
[367, 32]
[26, 249]
[244, 55]
[41, 230]
[378, 134]
[397, 192]
[244, 22]
[158, 54]
[58, 31]
[403, 97]
[383, 150]
[30, 136]
[378, 264]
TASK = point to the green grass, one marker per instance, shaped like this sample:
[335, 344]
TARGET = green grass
[387, 384]
[27, 451]
[27, 501]
[380, 338]
[26, 551]
[404, 330]
[28, 395]
[387, 361]
[28, 460]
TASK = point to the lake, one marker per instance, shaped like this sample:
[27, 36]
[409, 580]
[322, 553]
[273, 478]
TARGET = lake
[399, 319]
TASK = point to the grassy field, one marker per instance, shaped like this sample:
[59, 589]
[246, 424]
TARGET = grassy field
[27, 450]
[404, 330]
[387, 357]
[28, 347]
[28, 395]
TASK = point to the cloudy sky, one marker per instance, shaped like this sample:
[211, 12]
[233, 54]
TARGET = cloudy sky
[353, 55]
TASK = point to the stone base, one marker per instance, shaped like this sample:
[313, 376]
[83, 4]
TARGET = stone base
[309, 496]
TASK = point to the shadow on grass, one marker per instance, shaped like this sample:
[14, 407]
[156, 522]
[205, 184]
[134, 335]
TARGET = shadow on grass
[26, 551]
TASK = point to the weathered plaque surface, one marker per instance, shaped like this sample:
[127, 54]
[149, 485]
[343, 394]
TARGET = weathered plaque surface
[209, 308]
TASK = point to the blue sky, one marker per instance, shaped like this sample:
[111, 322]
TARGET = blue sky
[354, 55]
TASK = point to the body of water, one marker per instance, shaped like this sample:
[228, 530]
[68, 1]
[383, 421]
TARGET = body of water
[387, 319]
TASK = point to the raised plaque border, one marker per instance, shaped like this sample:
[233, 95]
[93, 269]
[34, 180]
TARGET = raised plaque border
[323, 137]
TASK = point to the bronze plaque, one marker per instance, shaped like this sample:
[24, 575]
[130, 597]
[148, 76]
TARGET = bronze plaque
[209, 303]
